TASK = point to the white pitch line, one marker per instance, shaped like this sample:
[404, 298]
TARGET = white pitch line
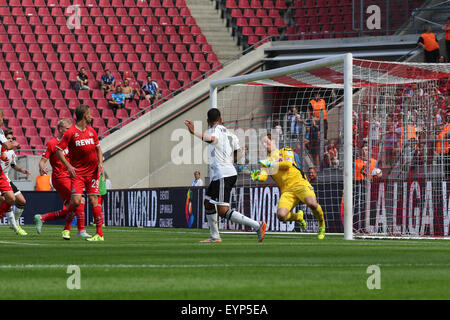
[167, 266]
[20, 243]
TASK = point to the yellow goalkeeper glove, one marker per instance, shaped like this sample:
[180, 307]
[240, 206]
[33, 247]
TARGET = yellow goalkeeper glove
[266, 163]
[254, 174]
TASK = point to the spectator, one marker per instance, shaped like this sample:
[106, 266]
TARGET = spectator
[429, 43]
[244, 162]
[312, 175]
[446, 28]
[391, 147]
[117, 100]
[317, 105]
[277, 128]
[197, 182]
[331, 155]
[43, 182]
[82, 80]
[314, 140]
[443, 148]
[107, 82]
[128, 90]
[442, 59]
[411, 133]
[361, 166]
[294, 123]
[150, 90]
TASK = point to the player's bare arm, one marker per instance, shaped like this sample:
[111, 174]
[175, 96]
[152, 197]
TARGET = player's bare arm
[17, 168]
[204, 136]
[8, 145]
[72, 170]
[42, 166]
[100, 160]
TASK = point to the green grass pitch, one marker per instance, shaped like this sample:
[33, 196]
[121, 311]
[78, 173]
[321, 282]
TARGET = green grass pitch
[171, 264]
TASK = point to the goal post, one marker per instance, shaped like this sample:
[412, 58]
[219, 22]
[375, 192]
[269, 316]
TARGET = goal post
[372, 146]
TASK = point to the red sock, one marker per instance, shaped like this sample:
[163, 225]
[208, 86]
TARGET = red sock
[4, 207]
[98, 219]
[54, 215]
[79, 212]
[69, 217]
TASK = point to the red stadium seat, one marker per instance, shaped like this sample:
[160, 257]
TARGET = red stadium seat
[32, 104]
[59, 104]
[22, 113]
[36, 113]
[56, 94]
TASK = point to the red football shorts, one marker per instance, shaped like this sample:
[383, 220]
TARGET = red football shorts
[4, 183]
[63, 185]
[90, 183]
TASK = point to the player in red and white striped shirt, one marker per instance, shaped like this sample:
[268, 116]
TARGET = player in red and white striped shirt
[61, 182]
[85, 166]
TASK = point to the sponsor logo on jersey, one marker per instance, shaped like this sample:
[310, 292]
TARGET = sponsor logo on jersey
[84, 142]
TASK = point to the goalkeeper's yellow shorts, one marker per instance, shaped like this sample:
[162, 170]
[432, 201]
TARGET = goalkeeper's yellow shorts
[290, 198]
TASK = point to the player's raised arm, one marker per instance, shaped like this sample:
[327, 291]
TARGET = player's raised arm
[8, 145]
[204, 136]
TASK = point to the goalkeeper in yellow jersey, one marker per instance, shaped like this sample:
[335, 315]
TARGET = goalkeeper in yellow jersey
[283, 166]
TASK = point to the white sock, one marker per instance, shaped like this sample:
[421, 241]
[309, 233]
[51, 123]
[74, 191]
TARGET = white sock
[18, 212]
[213, 225]
[12, 219]
[241, 219]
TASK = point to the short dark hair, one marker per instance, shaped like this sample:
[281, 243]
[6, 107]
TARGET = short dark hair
[80, 111]
[213, 115]
[7, 132]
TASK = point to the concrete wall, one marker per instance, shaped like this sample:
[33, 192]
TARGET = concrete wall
[148, 162]
[163, 171]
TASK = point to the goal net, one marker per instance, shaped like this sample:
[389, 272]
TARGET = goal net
[377, 153]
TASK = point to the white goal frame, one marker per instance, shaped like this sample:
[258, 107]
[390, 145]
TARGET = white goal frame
[347, 61]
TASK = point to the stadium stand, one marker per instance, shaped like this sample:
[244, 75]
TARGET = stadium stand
[252, 21]
[41, 57]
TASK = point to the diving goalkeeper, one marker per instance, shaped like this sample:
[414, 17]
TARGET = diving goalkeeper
[282, 165]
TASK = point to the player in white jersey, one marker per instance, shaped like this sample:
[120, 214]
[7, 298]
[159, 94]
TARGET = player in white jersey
[8, 158]
[5, 187]
[223, 152]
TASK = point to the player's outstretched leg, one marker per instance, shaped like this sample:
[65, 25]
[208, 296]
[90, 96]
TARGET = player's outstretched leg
[237, 217]
[39, 219]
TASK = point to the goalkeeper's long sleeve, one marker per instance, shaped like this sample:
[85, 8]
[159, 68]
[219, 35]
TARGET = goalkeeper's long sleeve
[286, 164]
